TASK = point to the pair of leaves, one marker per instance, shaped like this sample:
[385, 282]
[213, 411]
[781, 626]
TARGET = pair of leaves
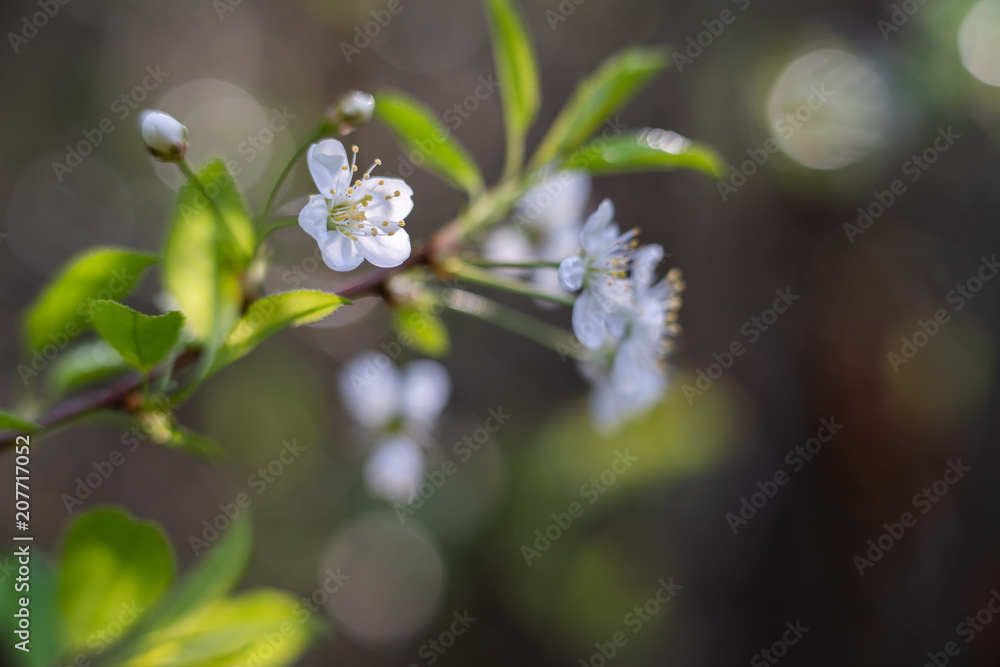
[112, 596]
[62, 311]
[616, 82]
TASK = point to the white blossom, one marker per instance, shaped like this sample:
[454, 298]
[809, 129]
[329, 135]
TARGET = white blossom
[397, 408]
[599, 270]
[631, 376]
[164, 136]
[352, 218]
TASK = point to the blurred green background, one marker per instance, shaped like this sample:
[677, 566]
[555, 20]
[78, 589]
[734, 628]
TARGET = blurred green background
[883, 85]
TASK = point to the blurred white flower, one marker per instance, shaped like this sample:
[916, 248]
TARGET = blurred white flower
[398, 408]
[599, 270]
[164, 136]
[356, 221]
[394, 470]
[546, 226]
[632, 376]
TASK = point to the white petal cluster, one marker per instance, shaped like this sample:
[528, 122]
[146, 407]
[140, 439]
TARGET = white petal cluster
[545, 226]
[625, 314]
[354, 217]
[398, 408]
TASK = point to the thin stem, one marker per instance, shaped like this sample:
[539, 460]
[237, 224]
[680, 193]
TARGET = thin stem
[299, 152]
[491, 264]
[515, 156]
[479, 276]
[281, 223]
[514, 321]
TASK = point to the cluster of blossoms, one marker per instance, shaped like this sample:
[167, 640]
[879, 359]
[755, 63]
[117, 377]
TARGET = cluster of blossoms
[624, 317]
[397, 409]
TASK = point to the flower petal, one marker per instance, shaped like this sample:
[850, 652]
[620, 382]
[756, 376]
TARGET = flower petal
[426, 390]
[384, 250]
[340, 252]
[313, 218]
[588, 320]
[644, 264]
[572, 271]
[394, 470]
[599, 231]
[393, 209]
[327, 160]
[370, 389]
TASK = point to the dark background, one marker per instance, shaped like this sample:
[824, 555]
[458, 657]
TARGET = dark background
[827, 357]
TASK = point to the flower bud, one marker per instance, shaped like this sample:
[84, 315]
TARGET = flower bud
[165, 137]
[352, 111]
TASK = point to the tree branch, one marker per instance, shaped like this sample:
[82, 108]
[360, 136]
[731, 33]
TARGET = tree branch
[120, 394]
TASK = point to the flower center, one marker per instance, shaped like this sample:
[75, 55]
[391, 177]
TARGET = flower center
[348, 212]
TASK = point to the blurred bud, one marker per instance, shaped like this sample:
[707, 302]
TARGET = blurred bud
[165, 137]
[352, 111]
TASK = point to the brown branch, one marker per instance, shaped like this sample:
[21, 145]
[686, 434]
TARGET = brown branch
[122, 393]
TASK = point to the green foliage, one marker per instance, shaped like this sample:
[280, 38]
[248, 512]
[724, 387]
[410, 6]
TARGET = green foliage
[11, 421]
[619, 79]
[113, 568]
[421, 330]
[83, 365]
[205, 259]
[515, 60]
[265, 628]
[648, 150]
[62, 311]
[269, 315]
[46, 626]
[142, 340]
[422, 133]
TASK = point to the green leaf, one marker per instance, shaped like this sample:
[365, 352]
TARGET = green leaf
[619, 79]
[269, 315]
[265, 628]
[203, 266]
[113, 569]
[13, 422]
[515, 60]
[422, 134]
[46, 641]
[84, 365]
[62, 311]
[142, 340]
[421, 330]
[647, 150]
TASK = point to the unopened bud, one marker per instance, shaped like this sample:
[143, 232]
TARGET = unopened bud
[352, 111]
[165, 137]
